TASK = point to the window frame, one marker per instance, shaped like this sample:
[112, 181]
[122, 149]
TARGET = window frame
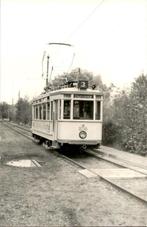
[84, 118]
[67, 100]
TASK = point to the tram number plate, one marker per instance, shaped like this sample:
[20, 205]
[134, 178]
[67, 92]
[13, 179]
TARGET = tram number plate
[82, 84]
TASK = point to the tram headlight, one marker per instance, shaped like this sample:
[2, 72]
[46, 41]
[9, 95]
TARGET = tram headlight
[82, 134]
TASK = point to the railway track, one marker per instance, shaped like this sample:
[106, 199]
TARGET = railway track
[20, 129]
[94, 168]
[124, 184]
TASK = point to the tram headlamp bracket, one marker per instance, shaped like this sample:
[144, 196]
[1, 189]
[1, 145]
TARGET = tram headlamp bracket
[82, 134]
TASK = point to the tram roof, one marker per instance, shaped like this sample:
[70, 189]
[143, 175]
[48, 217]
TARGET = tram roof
[72, 90]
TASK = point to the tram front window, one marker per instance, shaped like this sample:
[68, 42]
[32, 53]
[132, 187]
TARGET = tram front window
[67, 109]
[83, 110]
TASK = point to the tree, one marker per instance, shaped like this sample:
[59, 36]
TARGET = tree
[128, 118]
[23, 111]
[76, 74]
[12, 113]
[137, 124]
[4, 110]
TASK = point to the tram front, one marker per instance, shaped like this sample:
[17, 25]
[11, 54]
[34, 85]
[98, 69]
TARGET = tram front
[81, 117]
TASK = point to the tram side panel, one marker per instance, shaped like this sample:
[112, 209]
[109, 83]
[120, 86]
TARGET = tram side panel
[43, 129]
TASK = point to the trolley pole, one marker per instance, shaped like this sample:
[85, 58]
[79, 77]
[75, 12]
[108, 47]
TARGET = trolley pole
[47, 71]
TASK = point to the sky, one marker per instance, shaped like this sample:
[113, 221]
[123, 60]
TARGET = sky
[108, 37]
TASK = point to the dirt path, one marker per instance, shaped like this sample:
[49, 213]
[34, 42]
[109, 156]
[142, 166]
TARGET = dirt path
[57, 194]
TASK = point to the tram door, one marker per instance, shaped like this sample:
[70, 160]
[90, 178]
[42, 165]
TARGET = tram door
[55, 118]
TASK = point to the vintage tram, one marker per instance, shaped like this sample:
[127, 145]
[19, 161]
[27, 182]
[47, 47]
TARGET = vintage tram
[71, 115]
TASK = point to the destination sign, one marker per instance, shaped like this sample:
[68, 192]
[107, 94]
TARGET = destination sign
[98, 96]
[83, 96]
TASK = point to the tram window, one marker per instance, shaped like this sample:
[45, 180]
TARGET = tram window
[67, 109]
[98, 110]
[83, 110]
[33, 116]
[59, 109]
[51, 110]
[40, 112]
[48, 111]
[36, 112]
[44, 111]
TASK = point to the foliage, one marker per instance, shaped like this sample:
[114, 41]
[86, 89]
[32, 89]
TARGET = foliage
[23, 111]
[76, 74]
[20, 113]
[12, 113]
[4, 110]
[137, 117]
[111, 133]
[129, 118]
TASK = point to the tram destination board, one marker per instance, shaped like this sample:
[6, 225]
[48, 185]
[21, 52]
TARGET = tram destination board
[83, 96]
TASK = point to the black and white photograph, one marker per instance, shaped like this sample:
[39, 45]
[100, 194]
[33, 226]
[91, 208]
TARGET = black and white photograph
[73, 113]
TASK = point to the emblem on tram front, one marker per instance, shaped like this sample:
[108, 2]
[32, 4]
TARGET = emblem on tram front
[83, 128]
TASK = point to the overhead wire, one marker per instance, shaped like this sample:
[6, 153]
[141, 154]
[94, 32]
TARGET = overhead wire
[86, 19]
[72, 33]
[81, 24]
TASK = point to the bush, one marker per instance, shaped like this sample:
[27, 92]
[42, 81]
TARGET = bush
[127, 123]
[111, 133]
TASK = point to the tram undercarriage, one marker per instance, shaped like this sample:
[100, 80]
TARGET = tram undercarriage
[49, 144]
